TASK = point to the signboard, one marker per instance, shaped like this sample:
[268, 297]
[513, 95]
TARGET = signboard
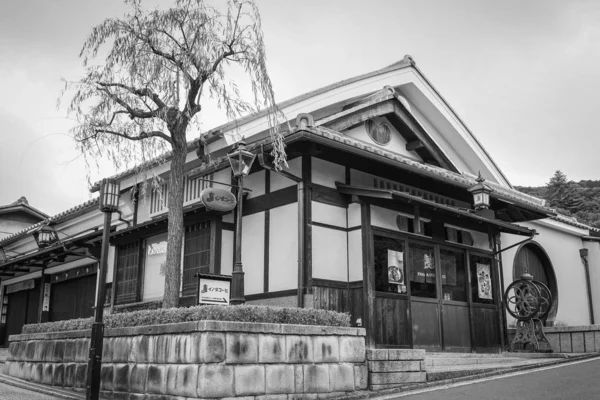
[46, 302]
[218, 199]
[214, 289]
[484, 282]
[396, 269]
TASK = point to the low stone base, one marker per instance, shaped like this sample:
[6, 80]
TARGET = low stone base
[395, 367]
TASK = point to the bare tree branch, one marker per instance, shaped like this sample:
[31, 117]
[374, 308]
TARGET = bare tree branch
[141, 135]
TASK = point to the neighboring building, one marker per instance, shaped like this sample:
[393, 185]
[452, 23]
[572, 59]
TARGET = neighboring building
[378, 177]
[18, 216]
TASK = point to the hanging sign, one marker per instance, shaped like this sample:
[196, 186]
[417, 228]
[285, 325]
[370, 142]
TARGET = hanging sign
[218, 199]
[46, 302]
[214, 289]
[484, 281]
[396, 269]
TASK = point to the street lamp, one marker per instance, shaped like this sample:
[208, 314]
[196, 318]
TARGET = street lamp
[109, 203]
[241, 161]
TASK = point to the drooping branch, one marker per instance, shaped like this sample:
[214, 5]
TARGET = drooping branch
[145, 92]
[140, 136]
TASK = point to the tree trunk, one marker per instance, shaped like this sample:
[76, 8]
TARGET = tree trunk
[175, 235]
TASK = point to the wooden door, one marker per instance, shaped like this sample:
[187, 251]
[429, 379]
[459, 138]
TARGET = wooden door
[484, 304]
[22, 309]
[423, 272]
[454, 299]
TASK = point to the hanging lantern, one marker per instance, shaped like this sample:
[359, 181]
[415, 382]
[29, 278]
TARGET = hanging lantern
[481, 194]
[241, 160]
[109, 195]
[2, 255]
[45, 237]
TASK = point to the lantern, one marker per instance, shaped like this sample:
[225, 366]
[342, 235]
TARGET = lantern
[241, 160]
[45, 237]
[109, 195]
[481, 194]
[2, 255]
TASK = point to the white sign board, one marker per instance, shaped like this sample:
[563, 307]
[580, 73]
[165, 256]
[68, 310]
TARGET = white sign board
[214, 290]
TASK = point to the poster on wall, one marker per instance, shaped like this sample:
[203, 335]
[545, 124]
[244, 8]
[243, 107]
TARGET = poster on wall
[396, 269]
[423, 266]
[484, 282]
[214, 289]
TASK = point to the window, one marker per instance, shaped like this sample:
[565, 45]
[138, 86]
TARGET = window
[389, 265]
[196, 256]
[191, 194]
[421, 260]
[127, 273]
[482, 285]
[454, 277]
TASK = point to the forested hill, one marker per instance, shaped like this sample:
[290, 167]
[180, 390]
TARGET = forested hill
[579, 199]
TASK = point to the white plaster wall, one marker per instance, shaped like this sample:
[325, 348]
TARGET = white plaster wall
[327, 173]
[329, 254]
[327, 214]
[355, 252]
[226, 252]
[224, 176]
[111, 264]
[279, 182]
[253, 252]
[283, 248]
[354, 215]
[154, 278]
[563, 250]
[594, 265]
[384, 218]
[359, 178]
[256, 183]
[397, 143]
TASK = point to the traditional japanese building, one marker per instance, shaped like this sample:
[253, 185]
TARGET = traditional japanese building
[379, 215]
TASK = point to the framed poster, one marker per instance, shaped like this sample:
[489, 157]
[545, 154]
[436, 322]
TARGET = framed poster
[396, 269]
[484, 282]
[214, 289]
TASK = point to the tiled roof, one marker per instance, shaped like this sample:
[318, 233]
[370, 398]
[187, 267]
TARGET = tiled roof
[54, 219]
[407, 61]
[573, 222]
[22, 202]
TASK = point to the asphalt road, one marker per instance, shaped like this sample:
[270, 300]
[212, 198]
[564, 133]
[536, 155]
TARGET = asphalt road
[574, 382]
[8, 392]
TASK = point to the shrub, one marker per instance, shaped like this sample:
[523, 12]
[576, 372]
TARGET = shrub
[264, 314]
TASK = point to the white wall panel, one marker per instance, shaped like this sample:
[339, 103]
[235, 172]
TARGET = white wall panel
[154, 276]
[253, 252]
[329, 254]
[226, 252]
[326, 173]
[327, 214]
[354, 215]
[279, 181]
[283, 248]
[355, 253]
[256, 183]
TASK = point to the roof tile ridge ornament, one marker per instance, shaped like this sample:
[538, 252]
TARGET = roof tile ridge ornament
[304, 120]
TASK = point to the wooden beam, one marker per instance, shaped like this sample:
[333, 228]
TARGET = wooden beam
[414, 145]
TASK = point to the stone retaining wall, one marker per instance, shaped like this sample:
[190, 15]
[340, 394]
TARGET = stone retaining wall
[206, 359]
[395, 367]
[571, 339]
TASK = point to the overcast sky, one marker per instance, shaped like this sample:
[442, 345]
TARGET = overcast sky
[523, 76]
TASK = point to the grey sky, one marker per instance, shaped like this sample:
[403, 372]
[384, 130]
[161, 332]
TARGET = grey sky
[523, 76]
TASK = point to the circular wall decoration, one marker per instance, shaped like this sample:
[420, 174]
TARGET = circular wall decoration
[380, 133]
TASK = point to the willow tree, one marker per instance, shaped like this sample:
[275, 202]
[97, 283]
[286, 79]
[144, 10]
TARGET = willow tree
[146, 76]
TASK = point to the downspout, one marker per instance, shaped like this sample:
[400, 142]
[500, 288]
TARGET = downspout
[583, 253]
[266, 165]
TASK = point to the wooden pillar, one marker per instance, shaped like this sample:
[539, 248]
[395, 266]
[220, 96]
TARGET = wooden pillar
[44, 303]
[368, 275]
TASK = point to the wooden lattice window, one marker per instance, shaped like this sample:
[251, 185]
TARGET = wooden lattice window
[196, 256]
[127, 273]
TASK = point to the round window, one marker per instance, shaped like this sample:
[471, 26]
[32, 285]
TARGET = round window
[379, 133]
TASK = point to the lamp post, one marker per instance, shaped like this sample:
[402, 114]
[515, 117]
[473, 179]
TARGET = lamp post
[241, 161]
[109, 203]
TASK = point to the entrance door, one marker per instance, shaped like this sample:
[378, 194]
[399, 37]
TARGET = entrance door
[484, 304]
[424, 299]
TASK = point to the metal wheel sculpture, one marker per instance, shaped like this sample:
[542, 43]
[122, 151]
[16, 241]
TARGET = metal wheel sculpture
[529, 302]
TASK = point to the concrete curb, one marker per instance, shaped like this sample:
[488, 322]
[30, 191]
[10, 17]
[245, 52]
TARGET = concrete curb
[43, 389]
[415, 386]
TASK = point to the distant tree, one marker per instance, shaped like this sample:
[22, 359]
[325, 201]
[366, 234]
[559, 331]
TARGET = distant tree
[564, 194]
[138, 101]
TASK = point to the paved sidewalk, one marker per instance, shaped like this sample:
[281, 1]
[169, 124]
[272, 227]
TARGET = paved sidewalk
[20, 386]
[8, 392]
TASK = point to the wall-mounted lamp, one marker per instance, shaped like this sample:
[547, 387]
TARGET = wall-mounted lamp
[481, 194]
[45, 237]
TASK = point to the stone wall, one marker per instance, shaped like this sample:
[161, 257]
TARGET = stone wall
[206, 359]
[395, 367]
[571, 339]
